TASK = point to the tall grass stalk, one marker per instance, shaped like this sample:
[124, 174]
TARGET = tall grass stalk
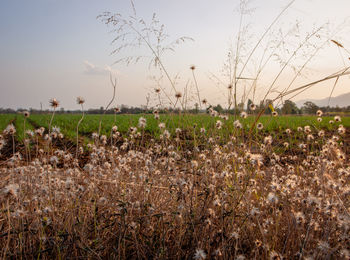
[114, 85]
[80, 101]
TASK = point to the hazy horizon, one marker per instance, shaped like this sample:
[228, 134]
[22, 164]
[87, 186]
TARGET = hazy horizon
[58, 49]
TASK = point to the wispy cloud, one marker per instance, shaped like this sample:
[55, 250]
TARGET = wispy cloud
[91, 69]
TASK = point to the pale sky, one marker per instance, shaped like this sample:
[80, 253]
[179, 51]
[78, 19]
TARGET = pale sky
[58, 49]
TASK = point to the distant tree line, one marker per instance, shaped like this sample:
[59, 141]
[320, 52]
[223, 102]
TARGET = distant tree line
[288, 108]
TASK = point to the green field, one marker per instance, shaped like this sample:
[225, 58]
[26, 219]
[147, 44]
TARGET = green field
[68, 123]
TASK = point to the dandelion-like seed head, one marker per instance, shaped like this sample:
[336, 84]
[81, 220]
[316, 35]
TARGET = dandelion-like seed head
[260, 126]
[252, 106]
[10, 129]
[244, 114]
[11, 189]
[26, 113]
[319, 113]
[80, 100]
[200, 254]
[268, 140]
[54, 102]
[142, 122]
[56, 129]
[157, 90]
[30, 133]
[230, 86]
[274, 113]
[218, 124]
[178, 94]
[319, 119]
[117, 110]
[337, 119]
[341, 130]
[237, 124]
[204, 101]
[192, 67]
[272, 198]
[307, 129]
[115, 128]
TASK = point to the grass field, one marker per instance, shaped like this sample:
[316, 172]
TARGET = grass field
[67, 123]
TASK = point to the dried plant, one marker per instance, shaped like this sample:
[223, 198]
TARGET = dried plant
[80, 101]
[136, 32]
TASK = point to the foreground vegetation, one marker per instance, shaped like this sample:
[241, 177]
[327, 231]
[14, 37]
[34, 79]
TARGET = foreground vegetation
[209, 192]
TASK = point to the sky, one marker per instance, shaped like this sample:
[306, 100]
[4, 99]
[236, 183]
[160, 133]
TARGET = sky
[58, 49]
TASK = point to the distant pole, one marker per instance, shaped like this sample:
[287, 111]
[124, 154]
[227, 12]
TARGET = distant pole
[41, 107]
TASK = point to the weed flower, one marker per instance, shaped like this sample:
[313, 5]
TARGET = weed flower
[2, 143]
[10, 129]
[319, 113]
[166, 134]
[11, 189]
[274, 113]
[260, 126]
[142, 122]
[244, 114]
[237, 124]
[337, 119]
[178, 94]
[54, 102]
[307, 129]
[218, 124]
[268, 140]
[80, 100]
[40, 131]
[200, 254]
[252, 106]
[341, 130]
[30, 133]
[56, 129]
[272, 198]
[26, 113]
[115, 128]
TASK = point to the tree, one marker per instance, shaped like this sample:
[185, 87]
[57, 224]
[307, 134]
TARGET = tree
[218, 108]
[309, 108]
[289, 107]
[196, 108]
